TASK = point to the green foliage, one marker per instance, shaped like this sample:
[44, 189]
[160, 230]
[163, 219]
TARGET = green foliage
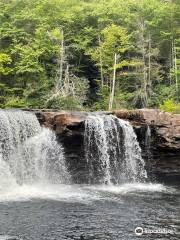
[16, 102]
[124, 100]
[64, 103]
[102, 98]
[143, 34]
[161, 93]
[28, 62]
[113, 39]
[170, 106]
[5, 60]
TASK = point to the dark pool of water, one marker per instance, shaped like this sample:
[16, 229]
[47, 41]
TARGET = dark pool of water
[88, 213]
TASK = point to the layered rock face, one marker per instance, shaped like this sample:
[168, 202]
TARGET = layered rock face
[161, 153]
[165, 127]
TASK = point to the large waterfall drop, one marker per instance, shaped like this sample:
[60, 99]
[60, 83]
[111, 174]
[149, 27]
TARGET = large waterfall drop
[29, 154]
[112, 151]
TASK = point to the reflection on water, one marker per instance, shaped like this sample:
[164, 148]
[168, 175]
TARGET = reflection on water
[89, 212]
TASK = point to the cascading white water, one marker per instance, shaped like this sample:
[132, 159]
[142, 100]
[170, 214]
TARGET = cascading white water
[148, 141]
[28, 153]
[112, 151]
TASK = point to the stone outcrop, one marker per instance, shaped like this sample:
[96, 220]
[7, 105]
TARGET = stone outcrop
[165, 127]
[161, 154]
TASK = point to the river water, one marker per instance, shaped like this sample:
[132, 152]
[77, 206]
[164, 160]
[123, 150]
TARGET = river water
[90, 212]
[39, 201]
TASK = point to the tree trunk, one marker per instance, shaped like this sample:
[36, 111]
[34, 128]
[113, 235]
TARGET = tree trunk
[66, 82]
[101, 64]
[145, 97]
[149, 66]
[113, 83]
[59, 80]
[171, 63]
[175, 67]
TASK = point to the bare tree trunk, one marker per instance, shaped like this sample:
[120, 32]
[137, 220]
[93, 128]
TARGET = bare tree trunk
[59, 88]
[145, 75]
[175, 67]
[110, 83]
[145, 82]
[171, 63]
[174, 63]
[172, 44]
[173, 51]
[149, 66]
[101, 64]
[145, 97]
[66, 81]
[113, 83]
[144, 78]
[59, 80]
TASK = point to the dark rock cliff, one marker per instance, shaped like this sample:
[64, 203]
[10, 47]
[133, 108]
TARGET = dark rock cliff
[165, 127]
[161, 151]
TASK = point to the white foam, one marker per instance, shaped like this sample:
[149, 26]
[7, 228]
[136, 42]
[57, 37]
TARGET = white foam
[7, 237]
[77, 193]
[68, 193]
[129, 188]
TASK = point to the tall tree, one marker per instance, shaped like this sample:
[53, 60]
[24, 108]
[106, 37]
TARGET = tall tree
[112, 48]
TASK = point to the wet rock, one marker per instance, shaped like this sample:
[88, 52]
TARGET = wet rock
[165, 126]
[62, 121]
[163, 145]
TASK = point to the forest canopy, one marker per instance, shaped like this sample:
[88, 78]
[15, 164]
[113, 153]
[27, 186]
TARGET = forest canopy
[90, 54]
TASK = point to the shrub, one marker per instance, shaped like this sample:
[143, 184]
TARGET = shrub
[16, 102]
[170, 106]
[64, 103]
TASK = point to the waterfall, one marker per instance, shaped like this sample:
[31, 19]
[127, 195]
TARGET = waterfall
[112, 151]
[29, 153]
[148, 141]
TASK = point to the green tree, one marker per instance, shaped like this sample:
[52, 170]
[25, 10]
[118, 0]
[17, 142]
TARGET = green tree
[110, 55]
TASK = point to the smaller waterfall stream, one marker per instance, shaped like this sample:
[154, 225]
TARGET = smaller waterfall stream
[148, 141]
[112, 151]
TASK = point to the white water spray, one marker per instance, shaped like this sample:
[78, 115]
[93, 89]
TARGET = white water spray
[112, 151]
[29, 154]
[32, 164]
